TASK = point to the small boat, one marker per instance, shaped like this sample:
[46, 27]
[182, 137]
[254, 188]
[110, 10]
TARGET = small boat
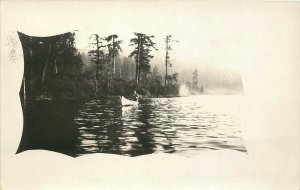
[127, 102]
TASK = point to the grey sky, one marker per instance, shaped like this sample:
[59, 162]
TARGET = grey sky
[233, 35]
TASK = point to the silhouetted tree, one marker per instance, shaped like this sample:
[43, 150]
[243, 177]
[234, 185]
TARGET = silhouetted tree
[114, 48]
[52, 67]
[195, 80]
[61, 55]
[168, 40]
[98, 57]
[155, 82]
[143, 46]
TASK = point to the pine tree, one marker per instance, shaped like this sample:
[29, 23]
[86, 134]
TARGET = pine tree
[98, 57]
[114, 48]
[143, 46]
[168, 64]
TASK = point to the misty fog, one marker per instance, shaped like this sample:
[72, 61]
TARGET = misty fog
[213, 78]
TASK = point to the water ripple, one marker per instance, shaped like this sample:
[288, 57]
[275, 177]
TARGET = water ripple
[182, 125]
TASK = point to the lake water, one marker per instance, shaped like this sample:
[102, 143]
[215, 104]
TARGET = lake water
[183, 125]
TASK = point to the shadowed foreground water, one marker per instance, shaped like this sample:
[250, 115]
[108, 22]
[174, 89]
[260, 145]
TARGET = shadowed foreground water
[183, 125]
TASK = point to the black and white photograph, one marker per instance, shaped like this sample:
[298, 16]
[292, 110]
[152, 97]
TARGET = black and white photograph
[100, 100]
[150, 95]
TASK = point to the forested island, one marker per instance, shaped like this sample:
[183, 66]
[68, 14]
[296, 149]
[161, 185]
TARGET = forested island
[55, 69]
[66, 90]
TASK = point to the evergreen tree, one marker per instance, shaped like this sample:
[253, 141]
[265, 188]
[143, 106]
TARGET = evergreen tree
[195, 80]
[98, 58]
[143, 46]
[168, 64]
[155, 82]
[114, 48]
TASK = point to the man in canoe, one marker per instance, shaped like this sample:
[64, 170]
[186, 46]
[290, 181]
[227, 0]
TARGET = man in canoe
[135, 96]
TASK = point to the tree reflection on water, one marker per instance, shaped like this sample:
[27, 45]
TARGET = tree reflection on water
[183, 125]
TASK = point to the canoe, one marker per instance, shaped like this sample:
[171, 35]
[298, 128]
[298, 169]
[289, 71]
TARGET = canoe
[127, 102]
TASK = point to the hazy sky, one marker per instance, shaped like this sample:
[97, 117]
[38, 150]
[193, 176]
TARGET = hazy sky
[205, 37]
[220, 34]
[209, 33]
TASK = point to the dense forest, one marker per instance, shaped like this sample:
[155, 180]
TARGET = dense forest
[119, 75]
[55, 69]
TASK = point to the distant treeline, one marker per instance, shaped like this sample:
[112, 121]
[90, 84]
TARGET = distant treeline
[54, 68]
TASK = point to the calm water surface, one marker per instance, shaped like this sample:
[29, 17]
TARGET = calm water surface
[183, 125]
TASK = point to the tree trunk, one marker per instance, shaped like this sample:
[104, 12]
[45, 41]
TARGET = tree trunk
[138, 60]
[97, 66]
[114, 59]
[97, 63]
[166, 75]
[46, 63]
[139, 74]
